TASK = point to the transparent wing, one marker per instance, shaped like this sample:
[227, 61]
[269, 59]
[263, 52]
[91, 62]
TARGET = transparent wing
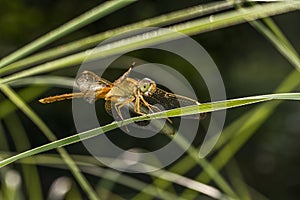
[90, 84]
[171, 101]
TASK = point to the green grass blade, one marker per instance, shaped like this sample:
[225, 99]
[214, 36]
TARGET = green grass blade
[207, 107]
[178, 179]
[237, 180]
[281, 46]
[120, 178]
[158, 36]
[252, 120]
[69, 27]
[181, 167]
[91, 166]
[3, 139]
[181, 180]
[238, 135]
[30, 172]
[85, 162]
[27, 94]
[276, 31]
[43, 127]
[53, 81]
[207, 167]
[288, 84]
[162, 20]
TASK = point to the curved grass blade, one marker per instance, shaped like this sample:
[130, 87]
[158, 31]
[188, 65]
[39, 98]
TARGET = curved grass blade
[53, 81]
[21, 141]
[27, 94]
[82, 20]
[202, 108]
[86, 163]
[253, 119]
[48, 133]
[158, 36]
[90, 41]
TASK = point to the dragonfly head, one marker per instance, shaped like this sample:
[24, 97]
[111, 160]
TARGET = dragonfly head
[147, 86]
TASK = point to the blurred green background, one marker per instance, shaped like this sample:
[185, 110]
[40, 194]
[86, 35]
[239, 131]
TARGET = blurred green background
[249, 64]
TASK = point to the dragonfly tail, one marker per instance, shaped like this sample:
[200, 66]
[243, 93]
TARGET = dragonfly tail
[61, 97]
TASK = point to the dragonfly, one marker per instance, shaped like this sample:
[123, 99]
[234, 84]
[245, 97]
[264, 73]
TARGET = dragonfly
[123, 91]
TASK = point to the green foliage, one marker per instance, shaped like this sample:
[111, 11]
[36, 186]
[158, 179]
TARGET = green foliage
[19, 68]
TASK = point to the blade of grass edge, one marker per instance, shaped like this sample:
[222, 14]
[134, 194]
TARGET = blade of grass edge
[21, 141]
[74, 24]
[85, 165]
[162, 20]
[48, 133]
[249, 119]
[202, 108]
[288, 81]
[158, 36]
[236, 178]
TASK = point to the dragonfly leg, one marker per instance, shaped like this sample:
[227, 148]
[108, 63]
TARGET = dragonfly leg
[124, 76]
[119, 105]
[149, 106]
[137, 108]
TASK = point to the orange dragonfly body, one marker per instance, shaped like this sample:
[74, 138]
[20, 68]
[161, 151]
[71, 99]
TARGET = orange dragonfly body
[123, 91]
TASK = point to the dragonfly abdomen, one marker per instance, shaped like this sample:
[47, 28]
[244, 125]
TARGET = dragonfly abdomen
[61, 97]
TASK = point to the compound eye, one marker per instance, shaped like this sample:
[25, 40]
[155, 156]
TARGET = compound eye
[144, 87]
[147, 86]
